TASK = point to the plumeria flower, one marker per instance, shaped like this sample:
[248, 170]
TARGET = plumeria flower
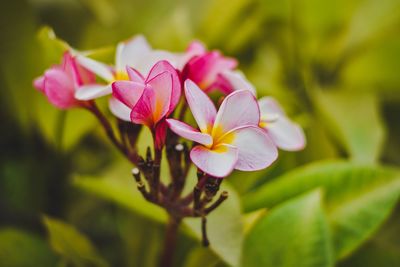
[286, 134]
[135, 53]
[60, 82]
[228, 139]
[210, 70]
[148, 100]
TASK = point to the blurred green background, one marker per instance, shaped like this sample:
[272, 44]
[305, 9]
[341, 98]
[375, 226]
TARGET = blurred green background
[67, 198]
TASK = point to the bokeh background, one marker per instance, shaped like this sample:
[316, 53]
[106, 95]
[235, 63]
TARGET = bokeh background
[67, 199]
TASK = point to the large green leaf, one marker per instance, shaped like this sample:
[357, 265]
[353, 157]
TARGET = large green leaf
[72, 245]
[202, 257]
[121, 191]
[293, 234]
[23, 249]
[355, 121]
[358, 197]
[224, 228]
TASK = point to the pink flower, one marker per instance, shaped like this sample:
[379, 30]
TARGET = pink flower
[286, 134]
[135, 53]
[211, 70]
[148, 100]
[228, 139]
[60, 82]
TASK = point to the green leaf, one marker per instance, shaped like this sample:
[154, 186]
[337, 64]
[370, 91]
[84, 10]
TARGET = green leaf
[224, 228]
[72, 245]
[358, 197]
[346, 114]
[201, 257]
[23, 249]
[117, 185]
[294, 233]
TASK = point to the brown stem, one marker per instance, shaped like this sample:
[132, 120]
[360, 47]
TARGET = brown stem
[170, 241]
[92, 107]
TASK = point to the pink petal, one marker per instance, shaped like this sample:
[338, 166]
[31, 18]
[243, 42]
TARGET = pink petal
[165, 66]
[134, 75]
[186, 131]
[238, 81]
[59, 88]
[102, 70]
[256, 150]
[218, 162]
[128, 92]
[131, 52]
[93, 91]
[196, 48]
[142, 113]
[200, 104]
[240, 108]
[119, 109]
[286, 134]
[204, 69]
[38, 83]
[162, 85]
[155, 101]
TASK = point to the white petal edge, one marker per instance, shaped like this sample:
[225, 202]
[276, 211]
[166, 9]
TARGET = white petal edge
[131, 52]
[119, 109]
[239, 108]
[186, 131]
[200, 104]
[98, 68]
[217, 164]
[90, 92]
[286, 134]
[238, 81]
[256, 150]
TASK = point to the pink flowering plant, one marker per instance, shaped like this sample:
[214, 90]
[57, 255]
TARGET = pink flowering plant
[201, 112]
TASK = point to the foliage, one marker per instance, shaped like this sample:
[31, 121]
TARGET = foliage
[332, 64]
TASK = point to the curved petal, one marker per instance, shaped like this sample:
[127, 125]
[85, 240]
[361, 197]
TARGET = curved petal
[186, 131]
[155, 101]
[256, 150]
[286, 134]
[38, 83]
[127, 92]
[162, 87]
[131, 52]
[269, 106]
[238, 109]
[119, 109]
[102, 70]
[165, 66]
[146, 64]
[89, 92]
[195, 48]
[142, 113]
[134, 75]
[218, 162]
[204, 69]
[59, 88]
[238, 81]
[200, 104]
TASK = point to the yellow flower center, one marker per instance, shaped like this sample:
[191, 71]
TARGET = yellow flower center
[121, 76]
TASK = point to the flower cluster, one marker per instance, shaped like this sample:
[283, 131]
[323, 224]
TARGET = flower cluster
[156, 89]
[146, 86]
